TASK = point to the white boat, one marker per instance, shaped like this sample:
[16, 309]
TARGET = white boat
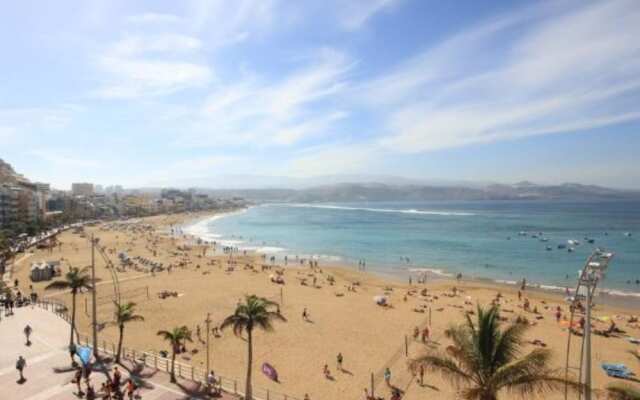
[573, 242]
[628, 234]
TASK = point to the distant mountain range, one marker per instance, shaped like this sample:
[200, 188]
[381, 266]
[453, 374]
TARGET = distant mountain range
[354, 192]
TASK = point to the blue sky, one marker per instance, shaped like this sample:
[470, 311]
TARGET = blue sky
[165, 92]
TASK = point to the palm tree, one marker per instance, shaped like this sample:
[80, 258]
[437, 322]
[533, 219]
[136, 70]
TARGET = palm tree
[175, 337]
[75, 280]
[254, 312]
[124, 313]
[487, 360]
[617, 391]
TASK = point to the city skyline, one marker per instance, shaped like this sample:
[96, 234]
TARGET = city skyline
[157, 93]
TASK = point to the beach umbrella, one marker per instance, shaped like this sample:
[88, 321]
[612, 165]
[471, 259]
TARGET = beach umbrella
[380, 300]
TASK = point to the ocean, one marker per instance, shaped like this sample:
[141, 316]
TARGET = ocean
[498, 240]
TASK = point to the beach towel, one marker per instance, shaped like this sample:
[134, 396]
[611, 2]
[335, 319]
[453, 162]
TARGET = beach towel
[270, 372]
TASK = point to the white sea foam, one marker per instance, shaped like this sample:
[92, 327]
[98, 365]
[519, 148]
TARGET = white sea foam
[622, 293]
[507, 282]
[435, 271]
[264, 249]
[380, 210]
[201, 228]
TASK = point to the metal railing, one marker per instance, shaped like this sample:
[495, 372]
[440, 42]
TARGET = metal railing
[184, 370]
[152, 360]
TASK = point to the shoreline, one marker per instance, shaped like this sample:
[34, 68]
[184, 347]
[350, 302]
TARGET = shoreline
[608, 296]
[342, 314]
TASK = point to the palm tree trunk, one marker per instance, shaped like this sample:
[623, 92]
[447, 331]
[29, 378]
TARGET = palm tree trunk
[173, 365]
[248, 392]
[120, 343]
[73, 316]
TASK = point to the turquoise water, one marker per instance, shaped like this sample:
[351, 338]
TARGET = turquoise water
[467, 237]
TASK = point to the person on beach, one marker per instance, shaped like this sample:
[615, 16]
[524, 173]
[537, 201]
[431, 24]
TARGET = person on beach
[21, 364]
[77, 379]
[425, 334]
[387, 376]
[117, 376]
[27, 334]
[339, 361]
[305, 314]
[106, 390]
[131, 388]
[306, 396]
[326, 372]
[421, 373]
[91, 393]
[416, 333]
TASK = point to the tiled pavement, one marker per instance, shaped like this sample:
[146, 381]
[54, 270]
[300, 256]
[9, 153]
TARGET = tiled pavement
[48, 352]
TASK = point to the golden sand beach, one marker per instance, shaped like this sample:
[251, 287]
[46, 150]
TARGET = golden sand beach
[341, 320]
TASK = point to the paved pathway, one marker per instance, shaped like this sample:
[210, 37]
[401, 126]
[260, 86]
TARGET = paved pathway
[48, 352]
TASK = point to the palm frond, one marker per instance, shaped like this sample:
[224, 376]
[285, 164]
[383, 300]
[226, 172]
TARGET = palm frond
[621, 391]
[57, 285]
[443, 364]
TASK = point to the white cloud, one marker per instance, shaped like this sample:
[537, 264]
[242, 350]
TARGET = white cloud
[574, 71]
[61, 158]
[154, 18]
[160, 43]
[355, 13]
[282, 112]
[17, 122]
[225, 22]
[338, 158]
[152, 65]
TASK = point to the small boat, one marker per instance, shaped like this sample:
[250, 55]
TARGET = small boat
[628, 234]
[562, 246]
[573, 242]
[522, 233]
[570, 249]
[534, 236]
[544, 239]
[549, 248]
[589, 240]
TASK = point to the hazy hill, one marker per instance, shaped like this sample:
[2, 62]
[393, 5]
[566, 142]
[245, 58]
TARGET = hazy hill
[346, 192]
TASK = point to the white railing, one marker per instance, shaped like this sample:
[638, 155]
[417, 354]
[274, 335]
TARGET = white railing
[152, 360]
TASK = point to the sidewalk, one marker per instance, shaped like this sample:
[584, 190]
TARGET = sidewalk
[48, 355]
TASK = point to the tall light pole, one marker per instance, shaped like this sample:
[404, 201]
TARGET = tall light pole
[94, 322]
[208, 323]
[593, 272]
[587, 345]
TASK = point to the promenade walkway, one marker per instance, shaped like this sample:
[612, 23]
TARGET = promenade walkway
[48, 376]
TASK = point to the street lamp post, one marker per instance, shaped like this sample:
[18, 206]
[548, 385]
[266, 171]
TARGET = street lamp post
[208, 323]
[94, 322]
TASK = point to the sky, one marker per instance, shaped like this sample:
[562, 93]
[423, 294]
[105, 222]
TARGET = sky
[165, 93]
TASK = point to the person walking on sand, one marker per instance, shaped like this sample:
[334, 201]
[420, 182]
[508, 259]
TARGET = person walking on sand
[339, 361]
[77, 379]
[21, 364]
[421, 372]
[305, 314]
[387, 376]
[27, 334]
[131, 388]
